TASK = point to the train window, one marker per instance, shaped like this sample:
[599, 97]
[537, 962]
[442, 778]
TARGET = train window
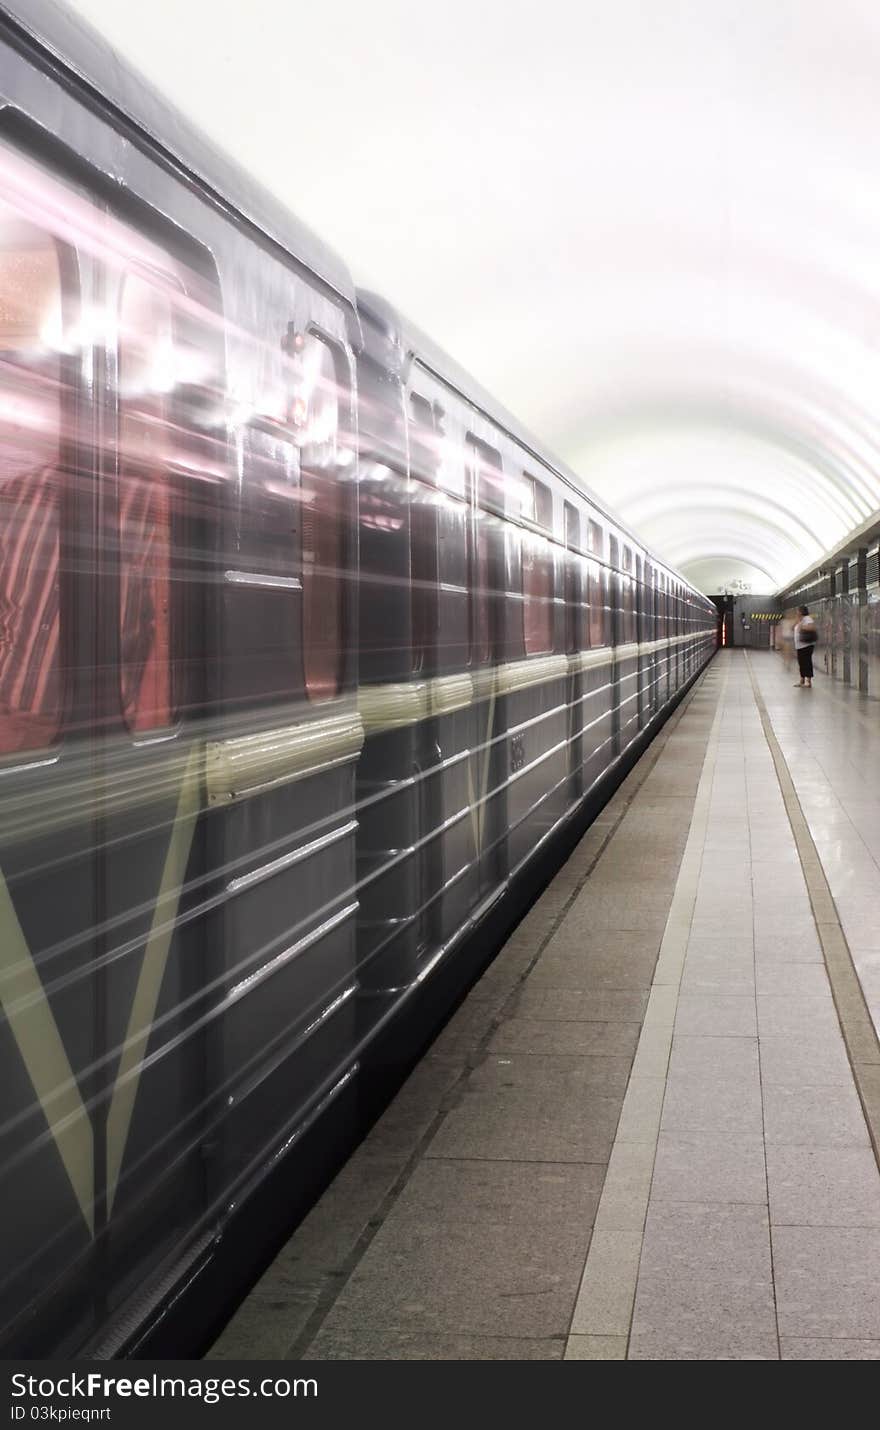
[145, 502]
[31, 293]
[322, 520]
[423, 462]
[537, 570]
[485, 485]
[573, 618]
[627, 602]
[614, 589]
[648, 600]
[597, 584]
[424, 468]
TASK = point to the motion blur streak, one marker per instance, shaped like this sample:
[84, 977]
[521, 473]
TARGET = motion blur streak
[307, 651]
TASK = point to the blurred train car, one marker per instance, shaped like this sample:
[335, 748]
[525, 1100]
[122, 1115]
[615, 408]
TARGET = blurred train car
[309, 655]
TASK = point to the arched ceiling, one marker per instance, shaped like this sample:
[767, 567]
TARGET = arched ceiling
[652, 230]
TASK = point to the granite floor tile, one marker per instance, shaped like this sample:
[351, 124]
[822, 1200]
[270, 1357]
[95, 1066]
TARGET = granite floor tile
[411, 1115]
[692, 1343]
[823, 1186]
[625, 945]
[334, 1225]
[504, 1193]
[695, 1105]
[596, 1348]
[719, 926]
[733, 1060]
[795, 980]
[792, 1015]
[797, 1116]
[706, 1168]
[594, 969]
[705, 1272]
[642, 1108]
[469, 1026]
[811, 1348]
[604, 1302]
[627, 1186]
[614, 917]
[716, 1015]
[805, 1061]
[562, 1076]
[826, 1281]
[389, 1343]
[652, 1055]
[538, 1036]
[520, 1125]
[784, 928]
[797, 948]
[718, 973]
[267, 1324]
[467, 1277]
[601, 1005]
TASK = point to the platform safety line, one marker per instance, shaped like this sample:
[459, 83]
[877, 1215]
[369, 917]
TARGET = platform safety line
[604, 1308]
[856, 1023]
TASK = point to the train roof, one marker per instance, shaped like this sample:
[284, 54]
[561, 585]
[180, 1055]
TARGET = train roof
[80, 49]
[415, 344]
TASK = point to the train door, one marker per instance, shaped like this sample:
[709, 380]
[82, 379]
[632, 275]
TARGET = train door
[640, 639]
[616, 640]
[284, 738]
[597, 662]
[573, 624]
[51, 1034]
[392, 694]
[486, 579]
[154, 455]
[441, 625]
[649, 639]
[667, 652]
[533, 684]
[100, 785]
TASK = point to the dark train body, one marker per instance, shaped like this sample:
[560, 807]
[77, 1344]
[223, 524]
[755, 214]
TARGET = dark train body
[308, 655]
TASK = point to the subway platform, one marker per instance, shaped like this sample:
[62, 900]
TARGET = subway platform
[650, 1132]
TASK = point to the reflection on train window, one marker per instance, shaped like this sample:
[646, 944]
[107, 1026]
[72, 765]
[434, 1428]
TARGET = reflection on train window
[537, 570]
[146, 348]
[423, 459]
[424, 469]
[573, 613]
[596, 585]
[485, 486]
[30, 486]
[322, 535]
[627, 593]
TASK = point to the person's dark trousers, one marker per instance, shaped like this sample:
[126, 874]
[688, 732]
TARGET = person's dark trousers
[805, 662]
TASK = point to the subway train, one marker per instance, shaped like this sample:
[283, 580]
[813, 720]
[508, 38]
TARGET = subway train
[309, 656]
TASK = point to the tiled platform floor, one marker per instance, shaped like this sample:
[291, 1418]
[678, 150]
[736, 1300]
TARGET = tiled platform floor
[611, 1154]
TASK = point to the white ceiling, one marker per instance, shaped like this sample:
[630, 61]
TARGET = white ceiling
[652, 229]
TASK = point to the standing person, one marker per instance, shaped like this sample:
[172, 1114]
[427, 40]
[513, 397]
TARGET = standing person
[805, 637]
